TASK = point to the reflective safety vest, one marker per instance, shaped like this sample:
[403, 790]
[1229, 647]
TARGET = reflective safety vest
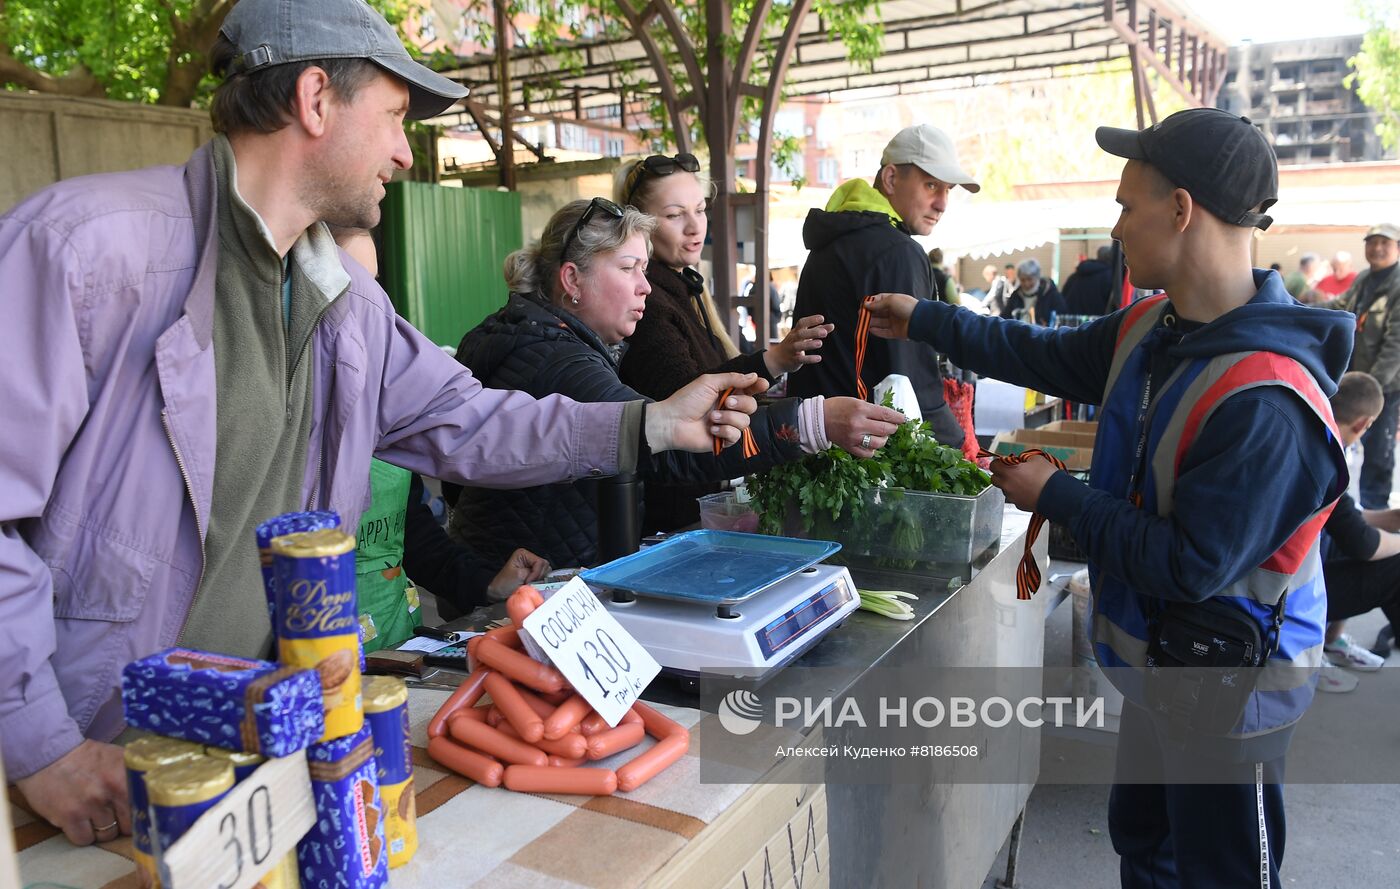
[1186, 400]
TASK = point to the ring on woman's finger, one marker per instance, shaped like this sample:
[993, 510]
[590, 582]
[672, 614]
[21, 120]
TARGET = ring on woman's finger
[865, 441]
[98, 831]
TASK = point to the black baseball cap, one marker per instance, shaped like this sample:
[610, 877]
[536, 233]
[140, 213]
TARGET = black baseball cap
[1220, 158]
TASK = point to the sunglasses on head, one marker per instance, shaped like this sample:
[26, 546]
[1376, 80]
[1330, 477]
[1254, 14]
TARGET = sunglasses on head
[589, 212]
[661, 165]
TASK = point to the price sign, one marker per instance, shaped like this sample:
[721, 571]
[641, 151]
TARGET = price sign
[587, 644]
[234, 844]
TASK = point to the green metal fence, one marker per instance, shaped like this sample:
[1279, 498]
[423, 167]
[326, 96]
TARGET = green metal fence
[442, 250]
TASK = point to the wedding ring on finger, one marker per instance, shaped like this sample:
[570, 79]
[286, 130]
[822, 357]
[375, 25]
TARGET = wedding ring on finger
[101, 830]
[865, 441]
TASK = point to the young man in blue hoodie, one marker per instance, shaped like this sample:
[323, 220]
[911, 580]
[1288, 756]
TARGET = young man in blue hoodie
[1216, 463]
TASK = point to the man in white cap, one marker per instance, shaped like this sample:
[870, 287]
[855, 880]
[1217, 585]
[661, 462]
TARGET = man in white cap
[187, 354]
[862, 243]
[1374, 298]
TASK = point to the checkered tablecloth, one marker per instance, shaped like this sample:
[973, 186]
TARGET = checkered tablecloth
[471, 835]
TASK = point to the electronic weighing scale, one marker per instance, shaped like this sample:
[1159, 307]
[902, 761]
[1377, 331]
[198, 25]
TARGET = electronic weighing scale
[725, 603]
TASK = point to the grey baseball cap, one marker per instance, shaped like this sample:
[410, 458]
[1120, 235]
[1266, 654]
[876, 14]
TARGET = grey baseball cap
[931, 150]
[276, 32]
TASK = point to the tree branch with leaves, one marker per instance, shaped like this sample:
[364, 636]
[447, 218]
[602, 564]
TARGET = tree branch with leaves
[1376, 68]
[151, 51]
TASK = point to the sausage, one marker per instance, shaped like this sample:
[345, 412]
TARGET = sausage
[520, 667]
[615, 740]
[507, 636]
[531, 779]
[658, 726]
[513, 707]
[593, 723]
[647, 765]
[495, 743]
[493, 716]
[558, 697]
[566, 717]
[541, 707]
[466, 695]
[477, 713]
[518, 610]
[564, 762]
[476, 766]
[571, 746]
[522, 603]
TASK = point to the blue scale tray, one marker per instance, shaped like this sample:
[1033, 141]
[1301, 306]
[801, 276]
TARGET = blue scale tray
[710, 567]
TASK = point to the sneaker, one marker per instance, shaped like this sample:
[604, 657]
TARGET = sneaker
[1334, 680]
[1346, 653]
[1385, 640]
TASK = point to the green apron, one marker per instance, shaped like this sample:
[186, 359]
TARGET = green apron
[388, 600]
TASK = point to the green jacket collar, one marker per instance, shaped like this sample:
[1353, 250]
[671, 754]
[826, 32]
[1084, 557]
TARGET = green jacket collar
[859, 195]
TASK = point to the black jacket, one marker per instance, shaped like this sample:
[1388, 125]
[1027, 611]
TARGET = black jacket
[1090, 289]
[672, 345]
[543, 350]
[855, 254]
[1047, 301]
[451, 572]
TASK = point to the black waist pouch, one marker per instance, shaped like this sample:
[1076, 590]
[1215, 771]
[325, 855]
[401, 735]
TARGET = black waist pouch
[1203, 661]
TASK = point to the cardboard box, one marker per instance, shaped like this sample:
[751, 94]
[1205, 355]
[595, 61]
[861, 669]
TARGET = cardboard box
[1075, 449]
[775, 835]
[1089, 426]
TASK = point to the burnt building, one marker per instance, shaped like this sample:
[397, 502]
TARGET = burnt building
[1295, 92]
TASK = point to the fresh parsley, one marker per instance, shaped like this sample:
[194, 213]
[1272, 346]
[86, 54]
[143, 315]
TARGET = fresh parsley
[832, 485]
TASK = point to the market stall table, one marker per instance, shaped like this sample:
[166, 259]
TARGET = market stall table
[677, 831]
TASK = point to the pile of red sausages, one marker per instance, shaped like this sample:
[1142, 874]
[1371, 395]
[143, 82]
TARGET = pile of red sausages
[537, 734]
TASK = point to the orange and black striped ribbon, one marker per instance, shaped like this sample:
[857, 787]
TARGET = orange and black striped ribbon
[862, 335]
[750, 446]
[1028, 572]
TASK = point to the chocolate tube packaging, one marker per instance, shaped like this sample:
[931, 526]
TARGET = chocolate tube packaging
[142, 755]
[179, 793]
[222, 701]
[386, 711]
[318, 622]
[287, 523]
[345, 848]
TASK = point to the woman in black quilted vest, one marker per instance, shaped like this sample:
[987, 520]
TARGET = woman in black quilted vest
[683, 334]
[576, 295]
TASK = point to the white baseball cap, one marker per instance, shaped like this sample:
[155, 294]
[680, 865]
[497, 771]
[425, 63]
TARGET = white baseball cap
[931, 150]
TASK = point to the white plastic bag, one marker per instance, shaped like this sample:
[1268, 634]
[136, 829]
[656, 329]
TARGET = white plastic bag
[905, 399]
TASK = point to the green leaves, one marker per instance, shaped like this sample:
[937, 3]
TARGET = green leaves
[1376, 68]
[833, 484]
[132, 50]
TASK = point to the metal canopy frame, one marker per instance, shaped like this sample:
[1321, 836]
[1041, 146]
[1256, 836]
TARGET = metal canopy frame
[956, 42]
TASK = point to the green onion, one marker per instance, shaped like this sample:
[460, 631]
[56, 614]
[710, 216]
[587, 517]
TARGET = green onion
[886, 603]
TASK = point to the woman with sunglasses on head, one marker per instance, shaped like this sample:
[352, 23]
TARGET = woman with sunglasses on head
[575, 296]
[682, 333]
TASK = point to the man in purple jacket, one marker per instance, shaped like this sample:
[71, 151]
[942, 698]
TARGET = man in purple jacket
[185, 354]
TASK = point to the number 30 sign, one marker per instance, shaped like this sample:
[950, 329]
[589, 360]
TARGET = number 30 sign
[235, 843]
[587, 644]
